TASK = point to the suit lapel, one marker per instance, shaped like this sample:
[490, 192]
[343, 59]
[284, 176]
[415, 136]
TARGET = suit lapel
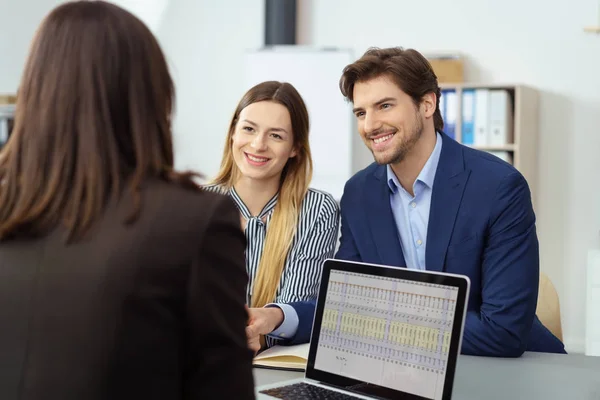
[448, 188]
[381, 220]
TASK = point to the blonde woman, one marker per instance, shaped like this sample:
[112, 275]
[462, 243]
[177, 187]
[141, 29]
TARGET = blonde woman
[290, 228]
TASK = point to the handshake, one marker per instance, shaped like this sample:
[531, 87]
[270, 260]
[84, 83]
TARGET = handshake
[261, 321]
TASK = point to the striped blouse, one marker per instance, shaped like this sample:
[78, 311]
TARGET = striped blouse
[315, 240]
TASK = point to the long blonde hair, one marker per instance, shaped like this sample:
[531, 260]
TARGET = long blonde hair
[295, 178]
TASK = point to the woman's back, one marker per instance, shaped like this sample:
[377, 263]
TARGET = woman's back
[129, 311]
[119, 277]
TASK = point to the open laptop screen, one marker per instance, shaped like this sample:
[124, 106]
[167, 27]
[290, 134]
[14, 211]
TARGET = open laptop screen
[388, 335]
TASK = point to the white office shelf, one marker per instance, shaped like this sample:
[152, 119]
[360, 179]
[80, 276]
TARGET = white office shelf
[523, 149]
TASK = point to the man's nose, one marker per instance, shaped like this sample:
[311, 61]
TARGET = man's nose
[371, 123]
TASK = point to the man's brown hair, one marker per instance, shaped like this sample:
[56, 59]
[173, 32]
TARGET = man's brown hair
[406, 67]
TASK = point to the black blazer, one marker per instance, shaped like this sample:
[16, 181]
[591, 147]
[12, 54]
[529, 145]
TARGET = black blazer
[154, 310]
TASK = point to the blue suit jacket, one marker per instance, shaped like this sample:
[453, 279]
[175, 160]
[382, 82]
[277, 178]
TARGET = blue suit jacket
[481, 224]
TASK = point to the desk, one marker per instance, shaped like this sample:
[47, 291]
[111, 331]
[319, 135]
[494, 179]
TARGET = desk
[533, 376]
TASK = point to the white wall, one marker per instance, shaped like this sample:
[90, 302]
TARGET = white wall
[205, 41]
[18, 20]
[510, 41]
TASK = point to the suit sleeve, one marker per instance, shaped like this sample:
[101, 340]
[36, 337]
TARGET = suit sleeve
[510, 276]
[347, 250]
[306, 312]
[219, 363]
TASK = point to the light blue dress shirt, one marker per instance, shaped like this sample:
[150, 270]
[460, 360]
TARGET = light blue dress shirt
[411, 213]
[289, 326]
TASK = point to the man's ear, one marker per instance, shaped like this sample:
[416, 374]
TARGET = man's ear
[428, 104]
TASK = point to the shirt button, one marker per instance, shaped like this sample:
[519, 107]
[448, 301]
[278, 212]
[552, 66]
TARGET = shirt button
[413, 204]
[419, 242]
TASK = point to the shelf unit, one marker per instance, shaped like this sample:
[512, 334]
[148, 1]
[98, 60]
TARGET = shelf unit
[525, 111]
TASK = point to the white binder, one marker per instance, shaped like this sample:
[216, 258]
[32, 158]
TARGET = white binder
[503, 155]
[481, 117]
[451, 113]
[501, 118]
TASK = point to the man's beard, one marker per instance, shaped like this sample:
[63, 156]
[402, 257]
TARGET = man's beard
[407, 144]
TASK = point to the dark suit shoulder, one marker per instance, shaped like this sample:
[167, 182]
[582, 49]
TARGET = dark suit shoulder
[173, 191]
[175, 205]
[152, 282]
[487, 166]
[359, 178]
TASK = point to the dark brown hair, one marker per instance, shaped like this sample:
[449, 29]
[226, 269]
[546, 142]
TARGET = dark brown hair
[93, 116]
[295, 179]
[407, 68]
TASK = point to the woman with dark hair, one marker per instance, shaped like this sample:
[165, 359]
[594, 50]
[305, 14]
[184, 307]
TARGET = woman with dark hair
[120, 278]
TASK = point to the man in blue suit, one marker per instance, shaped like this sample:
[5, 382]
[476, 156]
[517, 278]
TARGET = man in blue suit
[430, 203]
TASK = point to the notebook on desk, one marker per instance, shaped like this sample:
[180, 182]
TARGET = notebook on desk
[381, 332]
[288, 358]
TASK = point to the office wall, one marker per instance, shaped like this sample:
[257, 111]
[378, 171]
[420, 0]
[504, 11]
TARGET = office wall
[18, 21]
[510, 41]
[204, 41]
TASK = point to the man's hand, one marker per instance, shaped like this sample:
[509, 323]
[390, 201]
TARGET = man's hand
[262, 321]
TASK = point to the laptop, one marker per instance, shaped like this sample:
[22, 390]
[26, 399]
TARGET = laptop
[381, 332]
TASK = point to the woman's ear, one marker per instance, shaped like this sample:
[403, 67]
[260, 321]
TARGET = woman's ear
[293, 153]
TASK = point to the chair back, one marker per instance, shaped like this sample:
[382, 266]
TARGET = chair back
[548, 306]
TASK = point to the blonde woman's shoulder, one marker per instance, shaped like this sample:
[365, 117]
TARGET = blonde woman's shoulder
[321, 194]
[322, 198]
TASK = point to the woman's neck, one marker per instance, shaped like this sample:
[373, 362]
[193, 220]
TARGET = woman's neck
[256, 193]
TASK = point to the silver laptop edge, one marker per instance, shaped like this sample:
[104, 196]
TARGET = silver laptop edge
[312, 351]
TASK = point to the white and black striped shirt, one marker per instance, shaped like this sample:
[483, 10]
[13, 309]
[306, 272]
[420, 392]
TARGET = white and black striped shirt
[315, 240]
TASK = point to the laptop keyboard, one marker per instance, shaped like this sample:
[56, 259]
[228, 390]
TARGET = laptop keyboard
[306, 391]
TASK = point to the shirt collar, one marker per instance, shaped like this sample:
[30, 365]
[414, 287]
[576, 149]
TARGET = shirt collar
[427, 174]
[246, 212]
